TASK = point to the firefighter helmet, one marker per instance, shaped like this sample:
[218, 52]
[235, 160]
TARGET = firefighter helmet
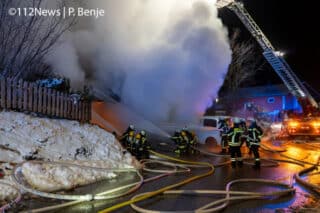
[143, 133]
[131, 126]
[183, 133]
[131, 133]
[236, 120]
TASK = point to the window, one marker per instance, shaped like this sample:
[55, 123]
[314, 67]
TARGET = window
[270, 100]
[210, 122]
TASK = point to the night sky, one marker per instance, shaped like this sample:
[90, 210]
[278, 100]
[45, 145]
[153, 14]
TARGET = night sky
[291, 27]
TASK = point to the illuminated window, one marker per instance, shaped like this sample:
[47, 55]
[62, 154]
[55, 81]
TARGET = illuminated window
[270, 100]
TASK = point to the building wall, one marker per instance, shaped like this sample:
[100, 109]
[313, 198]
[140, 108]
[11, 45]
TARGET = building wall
[267, 104]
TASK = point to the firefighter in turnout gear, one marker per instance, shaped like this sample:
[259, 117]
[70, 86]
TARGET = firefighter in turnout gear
[145, 145]
[180, 140]
[129, 141]
[253, 138]
[243, 126]
[176, 137]
[127, 136]
[224, 128]
[137, 147]
[235, 135]
[192, 142]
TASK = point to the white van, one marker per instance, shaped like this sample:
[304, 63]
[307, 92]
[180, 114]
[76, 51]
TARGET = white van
[206, 130]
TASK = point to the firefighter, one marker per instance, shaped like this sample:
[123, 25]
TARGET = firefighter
[129, 141]
[224, 128]
[193, 142]
[145, 145]
[176, 137]
[235, 135]
[254, 137]
[137, 149]
[182, 141]
[244, 127]
[125, 136]
[190, 140]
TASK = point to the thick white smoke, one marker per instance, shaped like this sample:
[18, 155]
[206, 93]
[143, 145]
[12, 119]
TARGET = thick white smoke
[166, 59]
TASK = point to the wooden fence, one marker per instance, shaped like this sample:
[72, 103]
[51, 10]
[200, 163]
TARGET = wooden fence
[27, 96]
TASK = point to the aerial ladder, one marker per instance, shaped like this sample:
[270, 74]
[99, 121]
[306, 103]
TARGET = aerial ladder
[274, 57]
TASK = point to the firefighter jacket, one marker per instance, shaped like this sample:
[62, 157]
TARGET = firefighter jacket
[254, 135]
[177, 139]
[136, 146]
[126, 134]
[145, 144]
[234, 136]
[193, 140]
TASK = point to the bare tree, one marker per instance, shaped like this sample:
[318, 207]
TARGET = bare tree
[25, 40]
[246, 62]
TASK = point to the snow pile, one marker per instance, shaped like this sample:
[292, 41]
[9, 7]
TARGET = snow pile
[47, 177]
[23, 137]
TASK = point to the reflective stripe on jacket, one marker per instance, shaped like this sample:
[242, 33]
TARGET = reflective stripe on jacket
[254, 135]
[234, 136]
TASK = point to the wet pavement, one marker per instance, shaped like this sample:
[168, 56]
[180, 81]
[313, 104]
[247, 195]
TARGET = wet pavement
[303, 198]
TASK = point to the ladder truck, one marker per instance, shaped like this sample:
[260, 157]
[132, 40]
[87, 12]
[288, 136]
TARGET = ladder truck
[308, 122]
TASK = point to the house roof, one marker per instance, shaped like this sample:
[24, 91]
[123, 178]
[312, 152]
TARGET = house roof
[261, 91]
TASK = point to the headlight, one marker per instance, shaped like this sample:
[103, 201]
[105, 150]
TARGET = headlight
[316, 124]
[293, 124]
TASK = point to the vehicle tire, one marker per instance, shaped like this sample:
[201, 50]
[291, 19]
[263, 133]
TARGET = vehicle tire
[211, 142]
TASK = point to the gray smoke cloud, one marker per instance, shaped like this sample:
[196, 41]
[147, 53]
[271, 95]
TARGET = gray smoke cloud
[166, 59]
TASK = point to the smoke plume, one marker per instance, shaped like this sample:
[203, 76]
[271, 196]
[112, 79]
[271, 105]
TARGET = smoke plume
[166, 59]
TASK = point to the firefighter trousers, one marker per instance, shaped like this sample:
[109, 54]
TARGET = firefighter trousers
[235, 153]
[255, 150]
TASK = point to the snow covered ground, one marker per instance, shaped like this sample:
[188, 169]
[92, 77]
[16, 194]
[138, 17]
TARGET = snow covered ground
[24, 137]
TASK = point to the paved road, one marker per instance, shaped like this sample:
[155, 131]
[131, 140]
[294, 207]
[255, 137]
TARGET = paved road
[222, 175]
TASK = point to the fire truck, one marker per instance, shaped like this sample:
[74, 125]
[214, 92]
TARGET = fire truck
[306, 123]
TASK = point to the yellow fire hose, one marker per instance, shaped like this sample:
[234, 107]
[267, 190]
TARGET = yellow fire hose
[160, 191]
[184, 167]
[223, 202]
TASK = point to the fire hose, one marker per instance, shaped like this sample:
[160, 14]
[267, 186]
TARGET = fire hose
[166, 190]
[224, 201]
[100, 196]
[242, 195]
[160, 191]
